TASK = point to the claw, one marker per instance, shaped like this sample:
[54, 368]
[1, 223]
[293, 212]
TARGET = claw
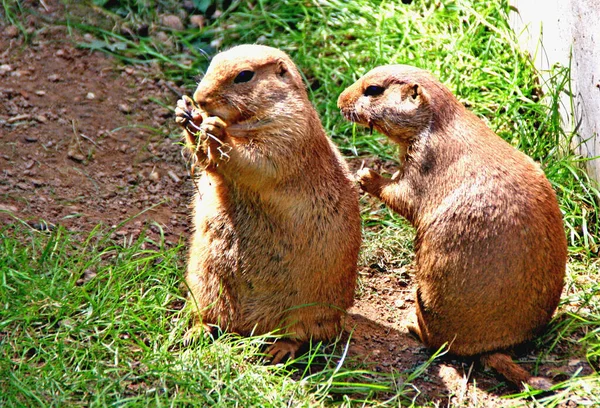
[283, 350]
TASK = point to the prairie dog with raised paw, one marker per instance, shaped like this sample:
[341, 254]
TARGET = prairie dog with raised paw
[490, 246]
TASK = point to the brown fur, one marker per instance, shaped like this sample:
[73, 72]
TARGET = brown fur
[490, 245]
[276, 217]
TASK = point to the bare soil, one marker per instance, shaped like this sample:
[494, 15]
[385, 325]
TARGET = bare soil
[84, 142]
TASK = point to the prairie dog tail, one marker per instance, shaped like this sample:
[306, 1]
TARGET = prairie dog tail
[505, 365]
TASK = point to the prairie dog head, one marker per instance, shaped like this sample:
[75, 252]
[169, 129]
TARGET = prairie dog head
[251, 85]
[393, 99]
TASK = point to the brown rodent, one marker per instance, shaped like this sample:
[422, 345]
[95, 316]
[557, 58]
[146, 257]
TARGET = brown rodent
[490, 246]
[276, 217]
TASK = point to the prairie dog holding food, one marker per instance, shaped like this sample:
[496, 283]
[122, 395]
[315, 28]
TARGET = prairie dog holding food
[490, 245]
[276, 217]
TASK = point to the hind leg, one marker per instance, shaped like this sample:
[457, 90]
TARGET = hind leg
[416, 323]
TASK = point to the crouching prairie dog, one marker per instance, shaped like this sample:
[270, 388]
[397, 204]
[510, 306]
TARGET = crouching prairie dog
[490, 246]
[276, 217]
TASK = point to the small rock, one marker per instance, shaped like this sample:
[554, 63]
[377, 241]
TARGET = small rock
[88, 275]
[23, 186]
[154, 176]
[31, 139]
[60, 53]
[11, 31]
[19, 73]
[163, 113]
[88, 37]
[8, 207]
[163, 37]
[54, 78]
[37, 183]
[40, 93]
[399, 303]
[29, 164]
[90, 95]
[4, 68]
[75, 156]
[125, 108]
[172, 21]
[67, 323]
[41, 118]
[129, 70]
[173, 176]
[43, 226]
[198, 20]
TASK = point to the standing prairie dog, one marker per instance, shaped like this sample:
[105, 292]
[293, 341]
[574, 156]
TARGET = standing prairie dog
[490, 246]
[276, 217]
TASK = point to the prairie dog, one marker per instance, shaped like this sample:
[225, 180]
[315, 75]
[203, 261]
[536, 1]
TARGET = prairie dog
[276, 217]
[490, 245]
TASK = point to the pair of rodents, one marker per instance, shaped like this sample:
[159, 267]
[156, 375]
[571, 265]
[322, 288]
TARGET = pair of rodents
[277, 222]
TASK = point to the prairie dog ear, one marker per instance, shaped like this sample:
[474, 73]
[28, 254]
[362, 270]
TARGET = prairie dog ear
[282, 68]
[288, 73]
[415, 92]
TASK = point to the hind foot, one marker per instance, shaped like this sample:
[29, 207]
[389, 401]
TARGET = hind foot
[412, 324]
[283, 350]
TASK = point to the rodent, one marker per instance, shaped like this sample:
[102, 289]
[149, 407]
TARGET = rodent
[276, 218]
[490, 244]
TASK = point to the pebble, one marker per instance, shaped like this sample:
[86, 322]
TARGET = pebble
[172, 21]
[40, 93]
[23, 186]
[29, 164]
[54, 78]
[11, 31]
[37, 183]
[88, 275]
[154, 176]
[90, 95]
[41, 118]
[31, 139]
[125, 108]
[198, 20]
[8, 207]
[75, 156]
[173, 176]
[4, 68]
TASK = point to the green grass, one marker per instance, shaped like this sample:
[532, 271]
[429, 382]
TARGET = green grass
[89, 321]
[115, 340]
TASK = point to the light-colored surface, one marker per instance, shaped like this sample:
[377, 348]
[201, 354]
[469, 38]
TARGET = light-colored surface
[553, 31]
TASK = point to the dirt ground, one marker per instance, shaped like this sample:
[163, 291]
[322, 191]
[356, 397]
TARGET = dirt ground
[84, 142]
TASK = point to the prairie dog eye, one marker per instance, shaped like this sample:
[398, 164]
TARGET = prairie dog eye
[243, 76]
[373, 90]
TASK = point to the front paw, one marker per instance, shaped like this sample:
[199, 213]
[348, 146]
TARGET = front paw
[214, 127]
[217, 141]
[187, 115]
[369, 181]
